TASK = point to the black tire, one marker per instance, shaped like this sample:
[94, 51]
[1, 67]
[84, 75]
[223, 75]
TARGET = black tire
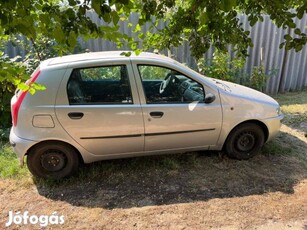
[244, 141]
[53, 160]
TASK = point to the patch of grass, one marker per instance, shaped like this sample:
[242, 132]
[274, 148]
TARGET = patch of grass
[274, 147]
[170, 163]
[9, 165]
[118, 171]
[294, 106]
[291, 98]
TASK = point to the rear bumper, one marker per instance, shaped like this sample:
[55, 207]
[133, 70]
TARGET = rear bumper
[20, 146]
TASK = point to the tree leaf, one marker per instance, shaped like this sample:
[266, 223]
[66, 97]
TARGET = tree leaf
[297, 31]
[287, 37]
[126, 54]
[115, 17]
[291, 24]
[96, 4]
[59, 34]
[31, 91]
[203, 18]
[72, 39]
[106, 17]
[253, 21]
[38, 86]
[23, 86]
[137, 28]
[281, 45]
[227, 5]
[137, 52]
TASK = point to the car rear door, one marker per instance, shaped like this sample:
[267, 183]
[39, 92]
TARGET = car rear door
[97, 105]
[170, 121]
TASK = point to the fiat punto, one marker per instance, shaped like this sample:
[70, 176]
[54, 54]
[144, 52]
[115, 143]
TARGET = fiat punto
[104, 105]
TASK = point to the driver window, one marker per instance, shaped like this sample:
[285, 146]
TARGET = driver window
[163, 85]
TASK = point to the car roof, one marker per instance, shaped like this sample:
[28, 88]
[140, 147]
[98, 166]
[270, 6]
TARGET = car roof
[104, 55]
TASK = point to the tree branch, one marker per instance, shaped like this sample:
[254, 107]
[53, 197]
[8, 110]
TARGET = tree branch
[36, 49]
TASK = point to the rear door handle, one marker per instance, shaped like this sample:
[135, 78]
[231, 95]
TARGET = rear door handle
[75, 115]
[156, 114]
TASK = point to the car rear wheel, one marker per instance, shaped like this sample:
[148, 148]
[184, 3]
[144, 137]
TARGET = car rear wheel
[53, 160]
[244, 141]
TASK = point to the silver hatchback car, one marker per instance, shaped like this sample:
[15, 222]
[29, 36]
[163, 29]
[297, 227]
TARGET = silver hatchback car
[103, 105]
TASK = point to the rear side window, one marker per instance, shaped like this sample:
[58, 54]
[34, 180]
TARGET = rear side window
[99, 85]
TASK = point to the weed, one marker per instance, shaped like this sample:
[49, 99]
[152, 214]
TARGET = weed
[170, 163]
[275, 147]
[9, 165]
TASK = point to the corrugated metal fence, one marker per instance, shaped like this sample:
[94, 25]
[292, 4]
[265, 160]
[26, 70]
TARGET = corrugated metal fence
[291, 66]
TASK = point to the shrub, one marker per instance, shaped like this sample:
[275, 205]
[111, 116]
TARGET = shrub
[36, 51]
[8, 67]
[259, 78]
[6, 92]
[221, 66]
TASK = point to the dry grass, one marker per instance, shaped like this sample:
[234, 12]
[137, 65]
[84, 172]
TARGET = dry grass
[200, 190]
[294, 106]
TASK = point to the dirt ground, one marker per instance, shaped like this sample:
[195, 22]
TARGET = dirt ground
[273, 210]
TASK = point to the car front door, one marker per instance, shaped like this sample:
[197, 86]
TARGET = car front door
[175, 115]
[99, 108]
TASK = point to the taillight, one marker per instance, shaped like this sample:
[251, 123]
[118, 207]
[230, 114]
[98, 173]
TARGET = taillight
[20, 96]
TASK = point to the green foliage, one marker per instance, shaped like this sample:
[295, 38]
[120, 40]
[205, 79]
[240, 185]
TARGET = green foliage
[259, 78]
[202, 23]
[54, 26]
[11, 71]
[15, 71]
[223, 67]
[60, 19]
[6, 92]
[9, 165]
[40, 49]
[206, 23]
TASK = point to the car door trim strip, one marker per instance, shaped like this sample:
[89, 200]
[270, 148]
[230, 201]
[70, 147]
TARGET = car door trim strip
[148, 134]
[179, 132]
[108, 137]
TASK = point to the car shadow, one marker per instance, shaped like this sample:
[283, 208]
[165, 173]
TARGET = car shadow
[181, 178]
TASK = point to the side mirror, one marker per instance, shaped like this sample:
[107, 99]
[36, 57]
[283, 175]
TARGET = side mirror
[209, 98]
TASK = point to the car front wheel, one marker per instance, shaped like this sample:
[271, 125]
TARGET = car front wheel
[244, 141]
[52, 160]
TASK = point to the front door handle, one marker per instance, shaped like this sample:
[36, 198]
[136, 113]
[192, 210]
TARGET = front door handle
[156, 114]
[75, 115]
